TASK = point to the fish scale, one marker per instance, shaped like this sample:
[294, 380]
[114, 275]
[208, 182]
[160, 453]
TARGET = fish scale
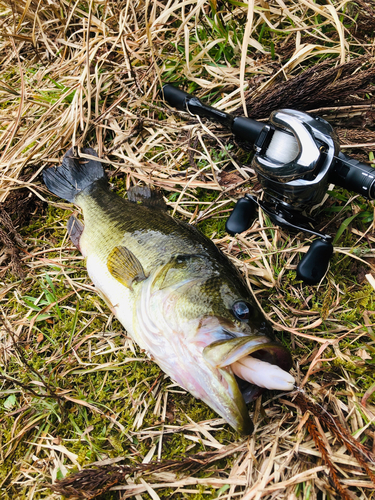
[174, 292]
[135, 225]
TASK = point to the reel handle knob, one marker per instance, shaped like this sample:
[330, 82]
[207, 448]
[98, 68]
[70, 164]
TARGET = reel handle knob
[314, 264]
[241, 217]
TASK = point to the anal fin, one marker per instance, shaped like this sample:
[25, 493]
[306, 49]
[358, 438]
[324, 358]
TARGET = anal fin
[75, 230]
[125, 267]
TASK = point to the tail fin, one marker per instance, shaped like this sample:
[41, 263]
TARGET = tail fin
[74, 175]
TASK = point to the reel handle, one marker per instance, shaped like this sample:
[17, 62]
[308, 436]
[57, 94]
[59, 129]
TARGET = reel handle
[314, 264]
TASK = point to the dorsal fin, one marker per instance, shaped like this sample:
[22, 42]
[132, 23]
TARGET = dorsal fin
[147, 196]
[125, 267]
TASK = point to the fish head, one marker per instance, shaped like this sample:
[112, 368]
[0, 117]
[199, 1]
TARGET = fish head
[215, 330]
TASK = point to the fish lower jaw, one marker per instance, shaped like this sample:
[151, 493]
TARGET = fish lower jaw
[263, 374]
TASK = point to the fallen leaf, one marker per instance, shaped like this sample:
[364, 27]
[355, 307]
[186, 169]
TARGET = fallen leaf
[363, 354]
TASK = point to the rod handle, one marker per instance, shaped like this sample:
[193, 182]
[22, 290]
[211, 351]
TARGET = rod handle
[175, 97]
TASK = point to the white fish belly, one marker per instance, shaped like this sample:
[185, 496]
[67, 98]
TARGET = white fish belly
[121, 299]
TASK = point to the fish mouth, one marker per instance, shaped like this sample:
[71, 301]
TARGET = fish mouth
[248, 365]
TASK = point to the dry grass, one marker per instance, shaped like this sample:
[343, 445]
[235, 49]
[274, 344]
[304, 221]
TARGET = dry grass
[73, 388]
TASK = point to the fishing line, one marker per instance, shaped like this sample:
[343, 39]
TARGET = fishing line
[283, 147]
[358, 167]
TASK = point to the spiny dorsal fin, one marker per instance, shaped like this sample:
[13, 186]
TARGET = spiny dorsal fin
[125, 267]
[147, 196]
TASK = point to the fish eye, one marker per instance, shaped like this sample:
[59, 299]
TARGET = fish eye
[242, 310]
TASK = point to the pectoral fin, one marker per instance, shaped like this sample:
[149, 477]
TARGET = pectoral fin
[125, 267]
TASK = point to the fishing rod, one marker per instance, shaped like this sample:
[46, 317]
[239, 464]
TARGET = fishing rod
[296, 157]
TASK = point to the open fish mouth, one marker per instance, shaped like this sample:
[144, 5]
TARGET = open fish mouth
[254, 359]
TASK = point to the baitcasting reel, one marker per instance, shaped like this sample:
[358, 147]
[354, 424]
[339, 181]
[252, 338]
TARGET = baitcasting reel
[297, 156]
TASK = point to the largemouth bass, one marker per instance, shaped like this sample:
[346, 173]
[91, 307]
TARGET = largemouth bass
[175, 293]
